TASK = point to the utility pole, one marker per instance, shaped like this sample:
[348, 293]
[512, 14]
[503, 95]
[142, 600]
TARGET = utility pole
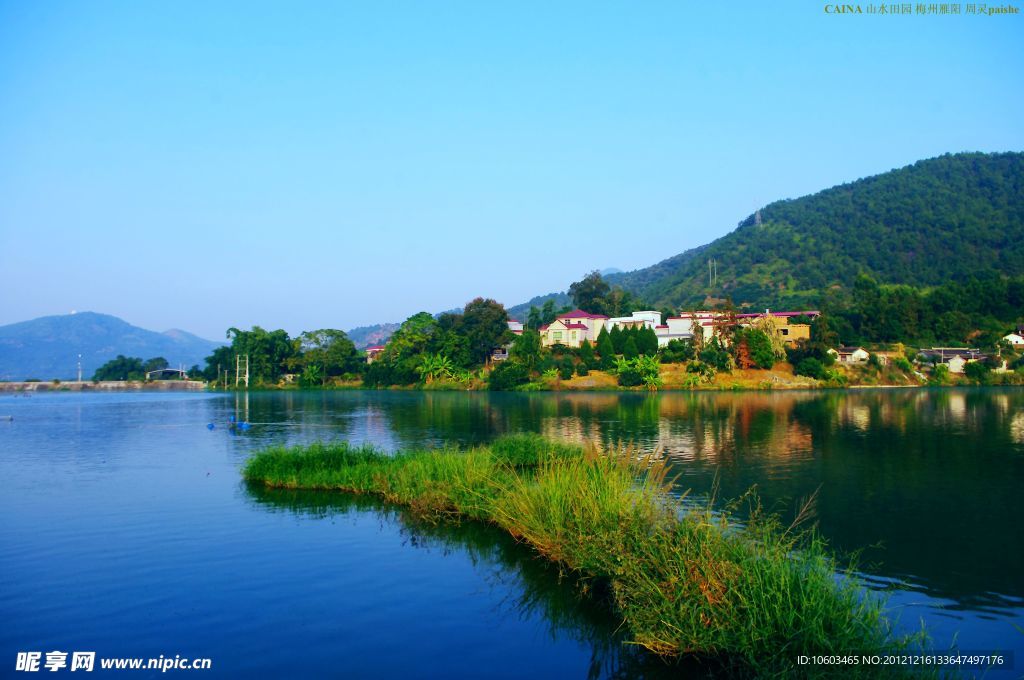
[238, 370]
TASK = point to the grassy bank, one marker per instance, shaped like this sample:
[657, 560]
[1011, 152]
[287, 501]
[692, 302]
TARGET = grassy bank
[751, 597]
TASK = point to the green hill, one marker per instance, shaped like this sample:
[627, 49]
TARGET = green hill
[942, 220]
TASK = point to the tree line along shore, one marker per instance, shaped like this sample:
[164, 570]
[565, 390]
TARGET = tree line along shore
[889, 330]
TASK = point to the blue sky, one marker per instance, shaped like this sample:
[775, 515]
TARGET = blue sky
[306, 165]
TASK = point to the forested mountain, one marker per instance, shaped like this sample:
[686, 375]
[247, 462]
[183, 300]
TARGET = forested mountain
[945, 219]
[520, 311]
[48, 347]
[954, 223]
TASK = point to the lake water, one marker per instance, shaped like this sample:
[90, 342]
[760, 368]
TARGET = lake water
[126, 530]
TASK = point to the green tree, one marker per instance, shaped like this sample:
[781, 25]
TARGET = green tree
[586, 354]
[330, 350]
[154, 364]
[647, 342]
[677, 351]
[758, 346]
[121, 368]
[618, 339]
[716, 356]
[222, 358]
[533, 319]
[526, 349]
[269, 352]
[485, 326]
[591, 293]
[548, 312]
[629, 349]
[811, 368]
[605, 349]
[977, 371]
[508, 375]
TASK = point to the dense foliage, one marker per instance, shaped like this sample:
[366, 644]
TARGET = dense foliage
[977, 311]
[956, 222]
[427, 349]
[128, 368]
[315, 355]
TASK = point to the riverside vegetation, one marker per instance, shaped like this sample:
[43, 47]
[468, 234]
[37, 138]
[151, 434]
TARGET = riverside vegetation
[687, 581]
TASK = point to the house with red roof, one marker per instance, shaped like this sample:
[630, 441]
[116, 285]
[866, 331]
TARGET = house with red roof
[572, 328]
[373, 352]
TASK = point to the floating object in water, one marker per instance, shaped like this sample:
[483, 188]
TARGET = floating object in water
[8, 418]
[231, 419]
[244, 425]
[209, 426]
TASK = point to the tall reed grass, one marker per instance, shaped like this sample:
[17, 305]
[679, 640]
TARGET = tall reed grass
[749, 598]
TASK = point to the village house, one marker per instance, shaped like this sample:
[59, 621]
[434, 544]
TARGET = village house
[682, 327]
[791, 333]
[1016, 338]
[850, 355]
[572, 328]
[373, 352]
[710, 323]
[955, 358]
[646, 319]
[502, 353]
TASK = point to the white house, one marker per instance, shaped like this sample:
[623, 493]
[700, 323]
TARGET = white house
[647, 319]
[850, 355]
[674, 328]
[954, 357]
[1015, 339]
[515, 326]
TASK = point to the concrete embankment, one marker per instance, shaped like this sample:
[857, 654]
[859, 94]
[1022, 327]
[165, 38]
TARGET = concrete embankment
[105, 386]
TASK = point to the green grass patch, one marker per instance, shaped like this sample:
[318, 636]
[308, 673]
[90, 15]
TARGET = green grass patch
[750, 598]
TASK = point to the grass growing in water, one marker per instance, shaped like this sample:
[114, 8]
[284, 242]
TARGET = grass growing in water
[752, 597]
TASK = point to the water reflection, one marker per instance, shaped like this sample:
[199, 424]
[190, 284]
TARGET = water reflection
[927, 481]
[536, 589]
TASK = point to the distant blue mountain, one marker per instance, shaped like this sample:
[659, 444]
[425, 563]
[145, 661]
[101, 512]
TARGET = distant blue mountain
[48, 347]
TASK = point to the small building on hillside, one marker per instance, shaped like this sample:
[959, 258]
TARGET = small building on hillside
[674, 328]
[850, 355]
[955, 358]
[572, 328]
[791, 333]
[646, 319]
[515, 326]
[373, 352]
[1015, 339]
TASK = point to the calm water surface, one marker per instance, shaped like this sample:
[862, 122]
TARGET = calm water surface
[126, 529]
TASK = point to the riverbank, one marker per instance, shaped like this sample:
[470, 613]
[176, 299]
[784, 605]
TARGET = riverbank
[675, 378]
[104, 386]
[750, 598]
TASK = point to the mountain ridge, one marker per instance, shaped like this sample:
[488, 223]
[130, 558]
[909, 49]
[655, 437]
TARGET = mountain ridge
[791, 252]
[47, 347]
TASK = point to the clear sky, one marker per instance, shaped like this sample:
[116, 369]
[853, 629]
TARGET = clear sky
[305, 165]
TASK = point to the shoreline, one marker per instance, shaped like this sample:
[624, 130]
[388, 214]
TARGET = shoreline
[125, 386]
[104, 386]
[686, 585]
